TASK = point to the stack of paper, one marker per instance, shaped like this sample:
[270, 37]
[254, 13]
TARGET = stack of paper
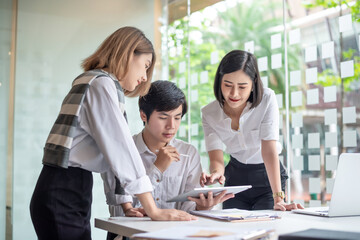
[236, 215]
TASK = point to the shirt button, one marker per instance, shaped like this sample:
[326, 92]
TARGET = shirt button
[157, 199]
[157, 180]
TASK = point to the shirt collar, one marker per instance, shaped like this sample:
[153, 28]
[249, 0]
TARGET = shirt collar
[246, 109]
[141, 146]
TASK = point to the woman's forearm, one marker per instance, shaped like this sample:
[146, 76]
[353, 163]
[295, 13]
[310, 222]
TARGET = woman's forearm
[147, 201]
[272, 164]
[216, 162]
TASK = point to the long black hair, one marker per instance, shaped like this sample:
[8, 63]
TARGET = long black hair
[239, 60]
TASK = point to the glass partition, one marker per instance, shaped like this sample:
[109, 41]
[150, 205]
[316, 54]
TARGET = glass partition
[308, 53]
[5, 46]
[53, 39]
[324, 106]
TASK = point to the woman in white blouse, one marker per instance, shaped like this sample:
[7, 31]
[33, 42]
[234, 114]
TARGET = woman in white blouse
[245, 118]
[91, 135]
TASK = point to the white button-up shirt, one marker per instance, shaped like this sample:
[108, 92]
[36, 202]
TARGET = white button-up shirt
[256, 124]
[178, 178]
[103, 141]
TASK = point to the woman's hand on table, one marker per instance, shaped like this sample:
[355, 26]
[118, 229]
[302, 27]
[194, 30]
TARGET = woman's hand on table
[172, 215]
[135, 212]
[282, 206]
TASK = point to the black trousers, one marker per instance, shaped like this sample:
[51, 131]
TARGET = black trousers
[60, 207]
[259, 197]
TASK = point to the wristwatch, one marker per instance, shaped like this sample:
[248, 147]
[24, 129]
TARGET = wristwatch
[279, 194]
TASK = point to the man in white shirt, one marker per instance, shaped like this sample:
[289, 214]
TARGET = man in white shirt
[172, 165]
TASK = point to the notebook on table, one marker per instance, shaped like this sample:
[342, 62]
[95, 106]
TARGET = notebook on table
[346, 194]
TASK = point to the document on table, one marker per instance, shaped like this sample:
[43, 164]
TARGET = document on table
[204, 232]
[236, 215]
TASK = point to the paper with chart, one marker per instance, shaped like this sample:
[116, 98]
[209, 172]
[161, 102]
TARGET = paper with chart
[237, 215]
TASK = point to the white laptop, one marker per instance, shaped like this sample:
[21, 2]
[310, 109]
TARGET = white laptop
[346, 192]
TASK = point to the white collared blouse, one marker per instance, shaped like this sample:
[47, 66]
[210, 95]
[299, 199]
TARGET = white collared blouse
[256, 124]
[103, 142]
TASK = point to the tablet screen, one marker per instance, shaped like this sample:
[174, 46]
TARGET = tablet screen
[216, 190]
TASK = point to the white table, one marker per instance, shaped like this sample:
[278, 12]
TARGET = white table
[289, 222]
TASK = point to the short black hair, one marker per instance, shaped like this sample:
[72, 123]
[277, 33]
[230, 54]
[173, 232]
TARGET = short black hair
[246, 62]
[163, 96]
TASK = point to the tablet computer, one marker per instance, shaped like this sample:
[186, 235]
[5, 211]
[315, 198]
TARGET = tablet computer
[215, 190]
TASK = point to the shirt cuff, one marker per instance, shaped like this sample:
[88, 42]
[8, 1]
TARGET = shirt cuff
[138, 186]
[120, 199]
[115, 199]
